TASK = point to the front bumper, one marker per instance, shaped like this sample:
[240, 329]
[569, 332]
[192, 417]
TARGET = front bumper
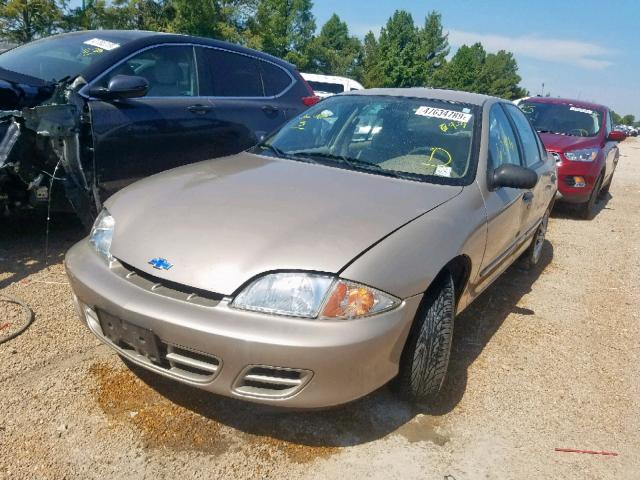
[309, 364]
[567, 171]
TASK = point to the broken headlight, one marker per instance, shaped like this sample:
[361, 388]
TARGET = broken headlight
[102, 234]
[310, 295]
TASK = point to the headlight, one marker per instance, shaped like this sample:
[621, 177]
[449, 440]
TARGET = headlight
[309, 295]
[585, 155]
[102, 234]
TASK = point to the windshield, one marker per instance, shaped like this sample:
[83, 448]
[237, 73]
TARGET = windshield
[54, 58]
[563, 119]
[418, 139]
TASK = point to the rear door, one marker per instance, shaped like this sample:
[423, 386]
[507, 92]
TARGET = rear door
[170, 126]
[534, 157]
[234, 85]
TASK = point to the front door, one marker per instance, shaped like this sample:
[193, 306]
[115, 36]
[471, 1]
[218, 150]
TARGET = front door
[506, 207]
[170, 126]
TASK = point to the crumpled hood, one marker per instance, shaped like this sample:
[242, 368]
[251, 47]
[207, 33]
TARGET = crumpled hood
[560, 143]
[222, 222]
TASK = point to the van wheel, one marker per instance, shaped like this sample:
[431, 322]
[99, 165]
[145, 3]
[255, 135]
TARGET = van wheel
[588, 209]
[531, 257]
[425, 357]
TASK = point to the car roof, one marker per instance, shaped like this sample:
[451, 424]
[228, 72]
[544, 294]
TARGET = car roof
[431, 94]
[567, 101]
[326, 78]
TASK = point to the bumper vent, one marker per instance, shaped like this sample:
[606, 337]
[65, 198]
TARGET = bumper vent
[192, 365]
[272, 382]
[163, 287]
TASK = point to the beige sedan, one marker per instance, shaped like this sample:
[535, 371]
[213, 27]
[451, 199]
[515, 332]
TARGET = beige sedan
[326, 261]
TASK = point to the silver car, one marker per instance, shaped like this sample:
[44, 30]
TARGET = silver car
[326, 261]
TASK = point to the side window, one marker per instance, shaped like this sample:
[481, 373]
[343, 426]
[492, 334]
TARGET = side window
[169, 70]
[503, 147]
[609, 122]
[274, 78]
[527, 136]
[228, 74]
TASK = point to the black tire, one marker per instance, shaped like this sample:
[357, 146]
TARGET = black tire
[532, 255]
[588, 209]
[425, 357]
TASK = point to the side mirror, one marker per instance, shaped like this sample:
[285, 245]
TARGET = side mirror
[616, 136]
[121, 87]
[514, 176]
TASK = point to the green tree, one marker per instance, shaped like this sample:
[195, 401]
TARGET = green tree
[370, 63]
[465, 70]
[283, 28]
[399, 62]
[225, 20]
[628, 120]
[24, 20]
[434, 46]
[500, 77]
[334, 51]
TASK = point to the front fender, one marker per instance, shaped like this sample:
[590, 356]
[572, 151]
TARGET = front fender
[405, 263]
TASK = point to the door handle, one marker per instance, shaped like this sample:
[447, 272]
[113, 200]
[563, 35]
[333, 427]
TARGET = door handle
[200, 109]
[527, 197]
[270, 108]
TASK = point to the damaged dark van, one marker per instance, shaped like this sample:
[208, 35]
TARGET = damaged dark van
[84, 114]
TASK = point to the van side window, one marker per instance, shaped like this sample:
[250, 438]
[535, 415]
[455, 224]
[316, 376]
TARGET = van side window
[227, 74]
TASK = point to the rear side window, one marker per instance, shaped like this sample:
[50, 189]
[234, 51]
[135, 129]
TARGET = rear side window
[326, 87]
[527, 135]
[275, 79]
[227, 74]
[503, 147]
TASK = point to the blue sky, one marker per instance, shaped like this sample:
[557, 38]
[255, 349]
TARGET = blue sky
[585, 49]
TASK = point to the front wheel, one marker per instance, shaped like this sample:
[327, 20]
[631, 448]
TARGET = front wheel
[425, 358]
[588, 209]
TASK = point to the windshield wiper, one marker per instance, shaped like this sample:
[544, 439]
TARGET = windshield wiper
[550, 131]
[353, 163]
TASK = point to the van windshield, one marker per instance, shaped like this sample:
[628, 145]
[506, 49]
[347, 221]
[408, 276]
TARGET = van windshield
[563, 119]
[421, 139]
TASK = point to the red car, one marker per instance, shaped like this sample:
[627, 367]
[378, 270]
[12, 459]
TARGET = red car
[581, 138]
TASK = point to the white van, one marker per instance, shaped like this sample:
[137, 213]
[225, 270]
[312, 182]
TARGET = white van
[327, 85]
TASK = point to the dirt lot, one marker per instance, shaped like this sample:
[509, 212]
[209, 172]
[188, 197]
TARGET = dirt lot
[542, 360]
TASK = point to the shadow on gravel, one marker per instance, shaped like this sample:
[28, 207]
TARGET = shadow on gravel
[480, 321]
[570, 211]
[380, 413]
[23, 243]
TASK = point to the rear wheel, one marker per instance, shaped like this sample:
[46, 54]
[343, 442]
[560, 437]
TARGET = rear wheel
[425, 358]
[533, 254]
[588, 209]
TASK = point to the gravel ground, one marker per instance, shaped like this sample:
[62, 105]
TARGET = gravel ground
[542, 360]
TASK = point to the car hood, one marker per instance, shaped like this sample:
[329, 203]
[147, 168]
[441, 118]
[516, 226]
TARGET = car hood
[560, 143]
[222, 222]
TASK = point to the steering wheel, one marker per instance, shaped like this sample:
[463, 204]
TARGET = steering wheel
[580, 132]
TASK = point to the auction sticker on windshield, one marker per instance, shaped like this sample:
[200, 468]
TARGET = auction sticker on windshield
[443, 113]
[104, 44]
[581, 110]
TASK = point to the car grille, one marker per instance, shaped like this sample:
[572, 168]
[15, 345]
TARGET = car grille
[273, 382]
[165, 288]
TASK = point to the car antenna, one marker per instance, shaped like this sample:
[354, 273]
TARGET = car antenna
[46, 237]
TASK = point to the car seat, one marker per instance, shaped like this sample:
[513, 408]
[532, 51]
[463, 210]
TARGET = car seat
[165, 79]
